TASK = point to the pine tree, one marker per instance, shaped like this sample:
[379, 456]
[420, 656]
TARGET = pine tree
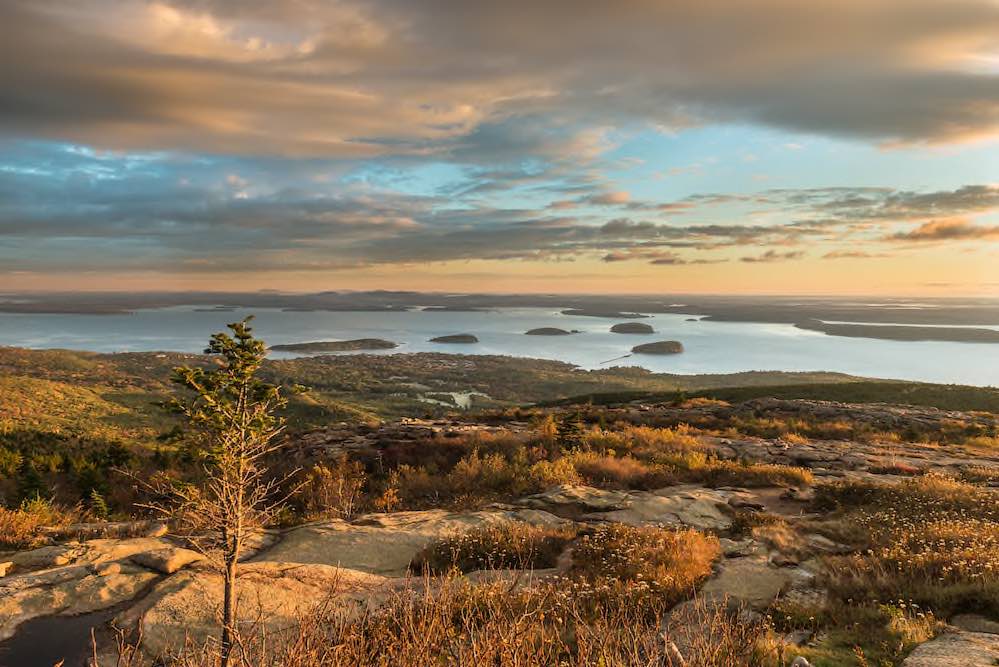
[232, 428]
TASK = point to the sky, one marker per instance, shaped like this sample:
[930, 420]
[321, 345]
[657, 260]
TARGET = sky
[578, 146]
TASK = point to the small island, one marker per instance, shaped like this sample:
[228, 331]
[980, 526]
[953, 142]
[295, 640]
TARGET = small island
[632, 328]
[337, 345]
[454, 309]
[550, 331]
[463, 339]
[612, 314]
[659, 347]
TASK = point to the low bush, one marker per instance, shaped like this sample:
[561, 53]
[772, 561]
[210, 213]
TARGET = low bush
[650, 564]
[623, 472]
[519, 546]
[332, 491]
[19, 529]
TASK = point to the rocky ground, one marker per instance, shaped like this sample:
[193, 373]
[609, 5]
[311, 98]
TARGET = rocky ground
[152, 585]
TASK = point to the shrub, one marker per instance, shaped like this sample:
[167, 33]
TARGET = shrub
[416, 486]
[623, 472]
[545, 474]
[333, 491]
[19, 529]
[10, 462]
[698, 467]
[653, 564]
[731, 473]
[519, 546]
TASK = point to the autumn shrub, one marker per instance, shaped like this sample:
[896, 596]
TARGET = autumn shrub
[416, 486]
[545, 474]
[732, 473]
[510, 545]
[490, 475]
[19, 528]
[703, 469]
[624, 472]
[10, 462]
[650, 564]
[332, 491]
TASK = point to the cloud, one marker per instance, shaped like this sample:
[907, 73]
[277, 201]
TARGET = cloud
[64, 208]
[948, 230]
[393, 77]
[656, 257]
[773, 256]
[609, 198]
[853, 254]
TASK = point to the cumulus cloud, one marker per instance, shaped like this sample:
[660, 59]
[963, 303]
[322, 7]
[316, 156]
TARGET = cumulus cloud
[376, 77]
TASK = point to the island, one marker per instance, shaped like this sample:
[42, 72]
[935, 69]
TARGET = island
[612, 314]
[463, 339]
[454, 309]
[902, 332]
[337, 345]
[632, 328]
[659, 347]
[550, 331]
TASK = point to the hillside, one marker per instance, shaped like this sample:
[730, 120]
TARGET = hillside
[605, 498]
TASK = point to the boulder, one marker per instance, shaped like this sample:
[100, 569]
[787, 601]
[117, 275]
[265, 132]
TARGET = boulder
[185, 607]
[579, 497]
[956, 649]
[675, 506]
[167, 560]
[385, 544]
[79, 553]
[683, 505]
[749, 582]
[66, 591]
[975, 623]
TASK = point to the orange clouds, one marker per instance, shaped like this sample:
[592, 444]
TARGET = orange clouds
[956, 229]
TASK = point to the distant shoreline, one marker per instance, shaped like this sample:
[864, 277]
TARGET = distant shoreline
[904, 320]
[903, 333]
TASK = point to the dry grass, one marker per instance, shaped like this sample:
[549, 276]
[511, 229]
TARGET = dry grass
[930, 539]
[650, 565]
[519, 546]
[455, 623]
[625, 472]
[19, 529]
[883, 633]
[698, 467]
[983, 475]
